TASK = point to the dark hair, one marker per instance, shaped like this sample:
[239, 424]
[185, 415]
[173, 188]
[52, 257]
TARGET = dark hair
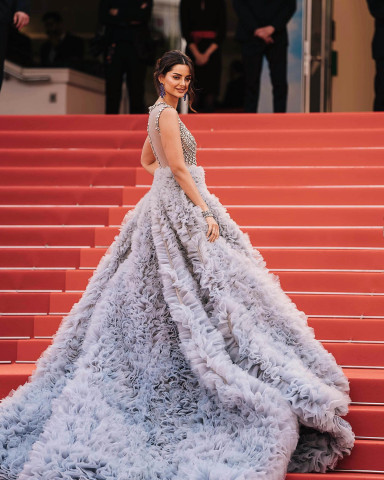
[165, 64]
[56, 16]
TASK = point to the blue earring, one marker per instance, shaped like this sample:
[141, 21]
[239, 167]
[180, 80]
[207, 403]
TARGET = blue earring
[162, 90]
[185, 96]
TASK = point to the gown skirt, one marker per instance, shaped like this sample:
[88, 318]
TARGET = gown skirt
[182, 360]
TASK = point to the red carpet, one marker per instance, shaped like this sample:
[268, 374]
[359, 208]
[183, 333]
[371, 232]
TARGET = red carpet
[309, 190]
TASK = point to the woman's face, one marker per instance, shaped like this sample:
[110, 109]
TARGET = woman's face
[176, 81]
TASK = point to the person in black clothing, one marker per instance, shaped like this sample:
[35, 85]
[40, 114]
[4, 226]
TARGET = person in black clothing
[262, 30]
[16, 12]
[376, 7]
[19, 48]
[127, 34]
[203, 25]
[62, 49]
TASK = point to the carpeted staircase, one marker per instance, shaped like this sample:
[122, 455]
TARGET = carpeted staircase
[308, 188]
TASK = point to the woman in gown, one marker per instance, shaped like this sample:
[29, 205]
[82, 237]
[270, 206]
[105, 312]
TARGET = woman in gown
[184, 359]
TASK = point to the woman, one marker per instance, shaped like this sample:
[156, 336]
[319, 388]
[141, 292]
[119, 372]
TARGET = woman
[203, 25]
[183, 359]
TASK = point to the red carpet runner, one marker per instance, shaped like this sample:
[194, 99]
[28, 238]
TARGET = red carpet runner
[309, 189]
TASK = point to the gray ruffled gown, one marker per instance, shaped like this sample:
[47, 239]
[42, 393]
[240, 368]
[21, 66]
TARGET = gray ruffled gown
[183, 359]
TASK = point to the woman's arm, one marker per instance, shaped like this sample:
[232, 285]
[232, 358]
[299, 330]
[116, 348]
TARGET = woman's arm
[171, 142]
[148, 160]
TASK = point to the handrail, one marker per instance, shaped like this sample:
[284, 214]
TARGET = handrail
[26, 78]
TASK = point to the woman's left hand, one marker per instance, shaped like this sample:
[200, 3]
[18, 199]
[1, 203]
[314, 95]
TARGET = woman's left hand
[213, 232]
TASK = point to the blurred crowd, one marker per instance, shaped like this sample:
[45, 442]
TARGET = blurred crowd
[127, 46]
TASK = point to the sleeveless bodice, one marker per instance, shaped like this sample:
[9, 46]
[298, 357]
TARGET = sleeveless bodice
[188, 141]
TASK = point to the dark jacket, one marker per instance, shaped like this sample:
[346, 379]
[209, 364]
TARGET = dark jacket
[9, 7]
[68, 53]
[254, 14]
[376, 7]
[119, 27]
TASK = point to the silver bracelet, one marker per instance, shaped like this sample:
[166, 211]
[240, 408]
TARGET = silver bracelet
[208, 213]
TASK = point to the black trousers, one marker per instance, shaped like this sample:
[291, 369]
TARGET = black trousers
[124, 60]
[378, 105]
[253, 53]
[4, 27]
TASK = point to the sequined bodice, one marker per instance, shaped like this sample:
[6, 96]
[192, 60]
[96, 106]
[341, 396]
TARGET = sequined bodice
[188, 141]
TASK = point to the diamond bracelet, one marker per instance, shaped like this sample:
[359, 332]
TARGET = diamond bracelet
[208, 213]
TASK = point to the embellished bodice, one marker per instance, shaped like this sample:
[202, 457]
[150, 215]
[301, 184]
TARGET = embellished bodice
[188, 141]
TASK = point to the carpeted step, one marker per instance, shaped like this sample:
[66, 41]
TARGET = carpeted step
[217, 121]
[215, 176]
[261, 237]
[346, 237]
[49, 280]
[346, 354]
[52, 258]
[290, 195]
[69, 176]
[362, 282]
[54, 195]
[277, 258]
[74, 139]
[61, 280]
[367, 455]
[44, 236]
[17, 326]
[251, 215]
[259, 195]
[312, 304]
[82, 157]
[319, 156]
[326, 328]
[207, 157]
[289, 236]
[348, 329]
[266, 138]
[60, 215]
[282, 176]
[81, 122]
[245, 216]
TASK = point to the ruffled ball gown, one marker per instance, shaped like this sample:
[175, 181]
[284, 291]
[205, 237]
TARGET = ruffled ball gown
[183, 359]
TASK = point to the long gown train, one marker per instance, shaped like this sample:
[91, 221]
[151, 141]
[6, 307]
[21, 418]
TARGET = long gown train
[182, 360]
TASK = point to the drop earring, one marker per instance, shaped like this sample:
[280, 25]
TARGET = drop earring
[162, 90]
[185, 96]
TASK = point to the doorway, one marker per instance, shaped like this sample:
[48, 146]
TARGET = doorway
[338, 70]
[353, 83]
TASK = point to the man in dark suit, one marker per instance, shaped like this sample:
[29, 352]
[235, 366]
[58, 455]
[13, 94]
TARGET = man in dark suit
[376, 7]
[127, 36]
[262, 30]
[11, 11]
[62, 49]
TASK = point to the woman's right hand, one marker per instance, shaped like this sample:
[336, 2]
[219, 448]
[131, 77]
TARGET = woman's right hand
[213, 232]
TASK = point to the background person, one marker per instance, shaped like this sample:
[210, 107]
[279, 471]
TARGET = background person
[376, 7]
[127, 50]
[262, 30]
[11, 12]
[203, 25]
[62, 48]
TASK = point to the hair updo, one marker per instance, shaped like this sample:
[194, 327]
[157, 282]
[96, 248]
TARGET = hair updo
[165, 64]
